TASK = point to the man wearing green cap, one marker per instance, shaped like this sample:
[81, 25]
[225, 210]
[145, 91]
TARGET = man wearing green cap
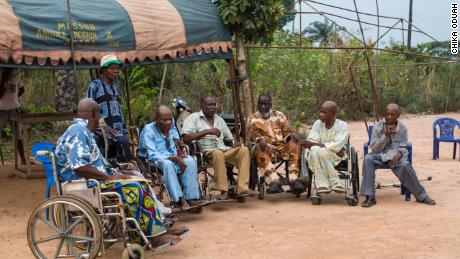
[105, 92]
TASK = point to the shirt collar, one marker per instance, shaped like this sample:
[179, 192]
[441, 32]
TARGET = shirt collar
[397, 124]
[80, 121]
[201, 114]
[154, 125]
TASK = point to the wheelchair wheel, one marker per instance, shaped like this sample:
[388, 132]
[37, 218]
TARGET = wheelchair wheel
[143, 167]
[315, 200]
[77, 224]
[136, 250]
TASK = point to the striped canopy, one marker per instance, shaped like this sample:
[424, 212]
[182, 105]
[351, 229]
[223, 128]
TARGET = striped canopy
[37, 33]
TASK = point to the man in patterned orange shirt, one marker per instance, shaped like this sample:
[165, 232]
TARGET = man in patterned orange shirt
[273, 137]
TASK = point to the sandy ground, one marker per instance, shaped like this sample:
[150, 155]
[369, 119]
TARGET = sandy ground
[282, 226]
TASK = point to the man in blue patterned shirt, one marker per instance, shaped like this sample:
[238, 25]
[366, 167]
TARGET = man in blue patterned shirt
[77, 157]
[106, 93]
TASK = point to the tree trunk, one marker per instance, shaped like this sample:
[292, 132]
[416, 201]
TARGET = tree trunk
[242, 72]
[64, 90]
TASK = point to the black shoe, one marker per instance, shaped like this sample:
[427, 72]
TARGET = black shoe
[298, 186]
[369, 202]
[274, 188]
[427, 201]
[284, 181]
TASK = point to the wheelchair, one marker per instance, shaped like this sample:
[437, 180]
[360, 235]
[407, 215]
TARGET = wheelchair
[348, 171]
[152, 172]
[85, 221]
[259, 181]
[204, 164]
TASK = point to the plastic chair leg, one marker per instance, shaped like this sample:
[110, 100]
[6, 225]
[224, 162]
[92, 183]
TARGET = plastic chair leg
[455, 150]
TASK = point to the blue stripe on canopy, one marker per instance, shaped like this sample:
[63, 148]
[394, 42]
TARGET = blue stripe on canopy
[44, 25]
[197, 15]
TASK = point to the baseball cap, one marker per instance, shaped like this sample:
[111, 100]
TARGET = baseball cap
[110, 59]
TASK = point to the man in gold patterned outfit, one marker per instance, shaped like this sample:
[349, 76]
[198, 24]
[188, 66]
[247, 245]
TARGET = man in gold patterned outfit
[273, 137]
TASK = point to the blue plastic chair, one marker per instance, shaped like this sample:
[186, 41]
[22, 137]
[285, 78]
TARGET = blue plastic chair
[46, 162]
[404, 191]
[446, 134]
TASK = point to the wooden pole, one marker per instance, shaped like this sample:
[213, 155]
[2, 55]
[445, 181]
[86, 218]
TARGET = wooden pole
[128, 105]
[160, 95]
[233, 84]
[72, 52]
[369, 69]
[409, 32]
[355, 85]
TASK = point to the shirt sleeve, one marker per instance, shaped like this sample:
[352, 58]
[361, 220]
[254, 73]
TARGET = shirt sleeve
[174, 132]
[285, 127]
[227, 134]
[92, 89]
[340, 139]
[404, 142]
[378, 140]
[189, 125]
[78, 150]
[148, 143]
[314, 133]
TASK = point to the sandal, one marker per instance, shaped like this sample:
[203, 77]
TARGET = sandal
[179, 231]
[164, 241]
[223, 197]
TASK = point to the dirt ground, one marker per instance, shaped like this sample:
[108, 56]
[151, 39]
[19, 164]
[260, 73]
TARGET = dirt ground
[282, 226]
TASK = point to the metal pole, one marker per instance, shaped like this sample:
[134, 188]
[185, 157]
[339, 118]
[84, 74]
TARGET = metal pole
[72, 52]
[369, 68]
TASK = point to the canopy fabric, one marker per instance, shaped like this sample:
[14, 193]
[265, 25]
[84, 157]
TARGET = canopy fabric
[147, 31]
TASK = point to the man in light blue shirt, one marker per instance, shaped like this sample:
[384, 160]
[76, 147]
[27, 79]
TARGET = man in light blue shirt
[157, 144]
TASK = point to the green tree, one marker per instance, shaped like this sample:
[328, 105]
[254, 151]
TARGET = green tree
[321, 32]
[289, 14]
[250, 21]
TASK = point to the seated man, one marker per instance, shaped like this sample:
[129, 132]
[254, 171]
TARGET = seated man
[273, 136]
[210, 130]
[158, 139]
[327, 140]
[77, 156]
[389, 147]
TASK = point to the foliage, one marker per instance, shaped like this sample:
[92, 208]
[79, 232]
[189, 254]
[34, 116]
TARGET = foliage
[289, 16]
[299, 81]
[321, 32]
[256, 19]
